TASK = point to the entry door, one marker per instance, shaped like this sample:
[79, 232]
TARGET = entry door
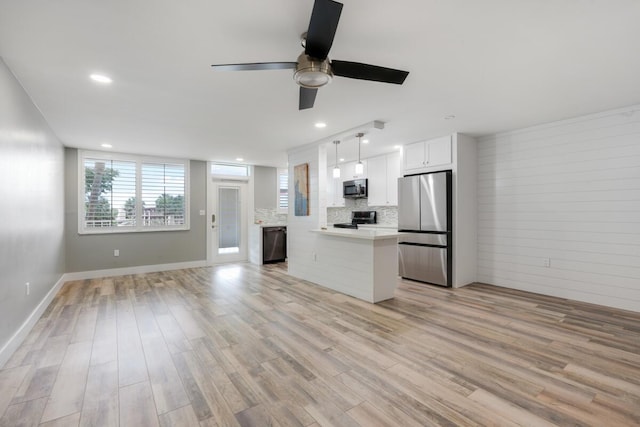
[228, 222]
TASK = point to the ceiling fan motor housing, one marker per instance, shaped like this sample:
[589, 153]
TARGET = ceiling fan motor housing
[312, 73]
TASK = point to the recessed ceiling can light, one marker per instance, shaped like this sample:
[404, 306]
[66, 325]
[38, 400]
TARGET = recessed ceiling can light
[450, 117]
[342, 159]
[321, 125]
[100, 78]
[105, 145]
[397, 147]
[239, 159]
[365, 141]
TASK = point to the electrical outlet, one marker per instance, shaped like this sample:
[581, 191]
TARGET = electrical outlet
[116, 252]
[546, 262]
[27, 288]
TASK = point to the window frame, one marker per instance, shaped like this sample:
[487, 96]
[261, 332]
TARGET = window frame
[280, 172]
[139, 161]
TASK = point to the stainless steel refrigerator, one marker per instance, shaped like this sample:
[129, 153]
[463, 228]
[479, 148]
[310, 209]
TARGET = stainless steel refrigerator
[424, 213]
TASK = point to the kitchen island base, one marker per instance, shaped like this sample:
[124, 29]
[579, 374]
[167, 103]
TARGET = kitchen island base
[359, 263]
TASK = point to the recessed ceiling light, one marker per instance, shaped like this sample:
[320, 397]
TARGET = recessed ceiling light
[321, 125]
[365, 141]
[342, 160]
[397, 147]
[239, 159]
[100, 78]
[450, 117]
[106, 145]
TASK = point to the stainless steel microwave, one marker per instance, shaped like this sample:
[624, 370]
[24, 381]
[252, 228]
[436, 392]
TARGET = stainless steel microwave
[355, 189]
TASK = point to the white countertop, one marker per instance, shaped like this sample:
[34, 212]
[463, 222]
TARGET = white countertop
[366, 234]
[383, 226]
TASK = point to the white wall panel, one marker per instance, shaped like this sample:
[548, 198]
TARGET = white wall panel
[32, 217]
[569, 192]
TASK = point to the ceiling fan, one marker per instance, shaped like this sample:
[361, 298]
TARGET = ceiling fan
[313, 69]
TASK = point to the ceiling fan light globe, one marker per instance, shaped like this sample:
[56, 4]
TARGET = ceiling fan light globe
[311, 73]
[312, 79]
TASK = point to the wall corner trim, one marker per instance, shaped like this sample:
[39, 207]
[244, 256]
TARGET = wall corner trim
[19, 336]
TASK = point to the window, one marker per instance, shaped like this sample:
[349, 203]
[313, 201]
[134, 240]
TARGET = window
[283, 189]
[124, 193]
[229, 170]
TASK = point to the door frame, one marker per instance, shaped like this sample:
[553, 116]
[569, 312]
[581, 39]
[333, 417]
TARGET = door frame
[213, 184]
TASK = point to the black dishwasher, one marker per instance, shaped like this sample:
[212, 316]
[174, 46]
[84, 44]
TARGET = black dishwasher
[274, 244]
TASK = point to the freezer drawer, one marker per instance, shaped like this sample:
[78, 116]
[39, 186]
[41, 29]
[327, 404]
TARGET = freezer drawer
[430, 239]
[423, 263]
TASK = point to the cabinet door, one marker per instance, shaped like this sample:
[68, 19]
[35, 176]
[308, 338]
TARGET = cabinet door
[377, 188]
[331, 187]
[439, 151]
[414, 155]
[338, 200]
[349, 170]
[393, 173]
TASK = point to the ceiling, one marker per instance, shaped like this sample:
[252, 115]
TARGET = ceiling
[494, 64]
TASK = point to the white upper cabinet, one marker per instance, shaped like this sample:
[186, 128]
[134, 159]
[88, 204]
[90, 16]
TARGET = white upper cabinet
[334, 188]
[349, 170]
[439, 151]
[394, 171]
[384, 172]
[377, 184]
[425, 154]
[415, 155]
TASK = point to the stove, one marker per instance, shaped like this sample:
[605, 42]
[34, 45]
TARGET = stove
[358, 217]
[345, 225]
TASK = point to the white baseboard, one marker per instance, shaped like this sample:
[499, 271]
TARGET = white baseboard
[140, 269]
[19, 336]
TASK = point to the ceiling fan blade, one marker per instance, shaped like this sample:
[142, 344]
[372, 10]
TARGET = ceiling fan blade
[357, 70]
[307, 98]
[322, 28]
[251, 66]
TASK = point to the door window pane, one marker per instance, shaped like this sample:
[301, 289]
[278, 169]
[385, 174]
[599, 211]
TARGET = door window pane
[229, 220]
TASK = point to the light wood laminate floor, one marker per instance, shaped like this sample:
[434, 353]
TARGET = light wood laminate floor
[242, 345]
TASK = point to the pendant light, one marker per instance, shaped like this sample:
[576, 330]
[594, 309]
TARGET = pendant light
[336, 169]
[359, 165]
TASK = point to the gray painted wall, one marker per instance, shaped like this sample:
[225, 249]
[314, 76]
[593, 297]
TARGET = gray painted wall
[265, 187]
[89, 252]
[31, 221]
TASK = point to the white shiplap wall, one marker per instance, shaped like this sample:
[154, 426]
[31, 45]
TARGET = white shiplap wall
[301, 244]
[568, 191]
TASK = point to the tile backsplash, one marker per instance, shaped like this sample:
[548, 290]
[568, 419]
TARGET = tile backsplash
[269, 216]
[386, 214]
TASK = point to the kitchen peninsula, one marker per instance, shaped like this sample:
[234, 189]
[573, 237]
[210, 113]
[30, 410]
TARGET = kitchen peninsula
[364, 263]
